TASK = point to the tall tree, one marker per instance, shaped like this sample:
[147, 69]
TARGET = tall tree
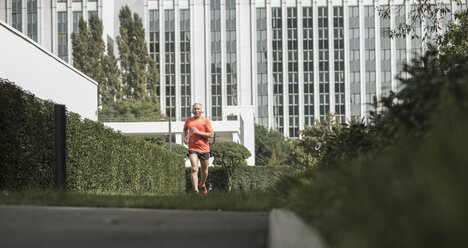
[271, 147]
[112, 88]
[139, 74]
[96, 51]
[80, 43]
[88, 51]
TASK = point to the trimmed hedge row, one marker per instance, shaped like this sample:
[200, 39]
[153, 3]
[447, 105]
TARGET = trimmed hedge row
[98, 158]
[244, 179]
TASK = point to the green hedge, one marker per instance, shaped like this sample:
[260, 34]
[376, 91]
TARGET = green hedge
[26, 140]
[244, 179]
[98, 158]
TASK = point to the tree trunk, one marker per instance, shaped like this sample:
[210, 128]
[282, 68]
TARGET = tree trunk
[229, 182]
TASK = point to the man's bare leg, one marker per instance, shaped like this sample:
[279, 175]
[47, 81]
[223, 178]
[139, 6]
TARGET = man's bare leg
[204, 171]
[194, 172]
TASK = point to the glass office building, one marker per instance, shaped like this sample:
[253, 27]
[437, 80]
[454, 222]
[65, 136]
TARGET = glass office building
[291, 62]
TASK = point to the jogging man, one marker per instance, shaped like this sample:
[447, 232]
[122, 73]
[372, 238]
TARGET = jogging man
[197, 130]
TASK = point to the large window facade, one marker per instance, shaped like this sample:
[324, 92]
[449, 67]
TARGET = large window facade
[262, 71]
[32, 19]
[324, 77]
[16, 15]
[216, 72]
[154, 41]
[293, 81]
[354, 62]
[185, 81]
[308, 46]
[338, 43]
[77, 15]
[385, 52]
[231, 54]
[62, 35]
[369, 32]
[400, 42]
[277, 50]
[416, 41]
[169, 45]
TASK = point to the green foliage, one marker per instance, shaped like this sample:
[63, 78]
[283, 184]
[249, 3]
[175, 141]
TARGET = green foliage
[230, 156]
[139, 73]
[111, 90]
[26, 140]
[271, 147]
[329, 141]
[130, 108]
[98, 158]
[161, 141]
[456, 37]
[80, 43]
[399, 181]
[244, 179]
[88, 51]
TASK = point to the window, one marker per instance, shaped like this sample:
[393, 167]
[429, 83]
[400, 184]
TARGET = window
[277, 69]
[231, 55]
[216, 95]
[16, 15]
[62, 39]
[169, 44]
[32, 19]
[185, 62]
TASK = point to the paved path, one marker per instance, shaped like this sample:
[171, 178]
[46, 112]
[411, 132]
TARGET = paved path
[28, 226]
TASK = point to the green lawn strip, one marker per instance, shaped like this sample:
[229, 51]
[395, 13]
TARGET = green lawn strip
[234, 201]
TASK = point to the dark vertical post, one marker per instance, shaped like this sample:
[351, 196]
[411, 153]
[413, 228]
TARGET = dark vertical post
[60, 167]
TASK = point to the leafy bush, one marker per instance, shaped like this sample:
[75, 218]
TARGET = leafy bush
[271, 147]
[402, 184]
[26, 140]
[98, 158]
[230, 156]
[244, 179]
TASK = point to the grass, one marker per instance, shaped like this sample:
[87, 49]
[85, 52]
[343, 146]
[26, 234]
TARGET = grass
[234, 201]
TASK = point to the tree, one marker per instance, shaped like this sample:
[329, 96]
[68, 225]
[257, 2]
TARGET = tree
[139, 73]
[427, 10]
[96, 49]
[230, 156]
[88, 53]
[80, 43]
[456, 38]
[271, 147]
[130, 108]
[112, 90]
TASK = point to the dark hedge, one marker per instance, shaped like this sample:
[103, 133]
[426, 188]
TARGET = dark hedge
[244, 179]
[98, 158]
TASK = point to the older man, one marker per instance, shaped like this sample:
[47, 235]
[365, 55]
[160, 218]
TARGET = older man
[197, 130]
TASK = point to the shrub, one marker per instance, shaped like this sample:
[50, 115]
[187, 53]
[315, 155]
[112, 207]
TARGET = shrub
[244, 179]
[230, 156]
[98, 158]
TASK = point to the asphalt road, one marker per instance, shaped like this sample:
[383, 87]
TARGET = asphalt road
[29, 226]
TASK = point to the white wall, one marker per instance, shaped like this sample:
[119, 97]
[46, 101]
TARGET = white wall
[31, 67]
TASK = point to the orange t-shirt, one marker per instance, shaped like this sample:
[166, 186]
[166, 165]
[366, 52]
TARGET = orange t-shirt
[197, 142]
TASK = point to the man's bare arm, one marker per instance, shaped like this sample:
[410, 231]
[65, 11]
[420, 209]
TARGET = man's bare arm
[186, 136]
[205, 134]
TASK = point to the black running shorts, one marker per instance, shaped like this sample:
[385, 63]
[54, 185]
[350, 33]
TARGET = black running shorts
[201, 155]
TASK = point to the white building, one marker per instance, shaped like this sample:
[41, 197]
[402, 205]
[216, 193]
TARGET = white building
[289, 61]
[28, 65]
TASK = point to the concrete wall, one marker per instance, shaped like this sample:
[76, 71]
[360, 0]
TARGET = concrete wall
[35, 69]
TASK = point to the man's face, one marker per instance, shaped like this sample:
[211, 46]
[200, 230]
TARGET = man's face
[196, 110]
